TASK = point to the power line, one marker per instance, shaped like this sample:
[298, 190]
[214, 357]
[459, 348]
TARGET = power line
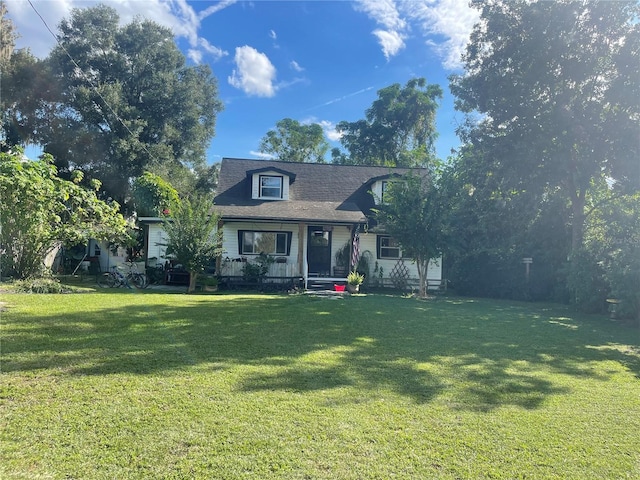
[86, 78]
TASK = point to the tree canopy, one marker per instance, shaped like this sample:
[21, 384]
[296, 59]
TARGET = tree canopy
[153, 196]
[292, 141]
[39, 211]
[125, 102]
[27, 87]
[398, 129]
[192, 235]
[413, 212]
[556, 85]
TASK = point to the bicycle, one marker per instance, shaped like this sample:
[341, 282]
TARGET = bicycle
[115, 278]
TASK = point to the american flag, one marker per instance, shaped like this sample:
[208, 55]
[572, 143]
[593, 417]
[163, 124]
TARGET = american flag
[355, 250]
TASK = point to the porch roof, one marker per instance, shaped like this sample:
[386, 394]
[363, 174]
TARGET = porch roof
[293, 210]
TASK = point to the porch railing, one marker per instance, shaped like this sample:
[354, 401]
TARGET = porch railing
[235, 269]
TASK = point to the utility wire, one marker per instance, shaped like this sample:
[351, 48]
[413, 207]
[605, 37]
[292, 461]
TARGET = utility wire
[93, 86]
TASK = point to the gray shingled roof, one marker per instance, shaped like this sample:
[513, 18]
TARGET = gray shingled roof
[321, 192]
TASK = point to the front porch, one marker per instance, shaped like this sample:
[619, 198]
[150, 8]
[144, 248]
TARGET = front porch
[280, 275]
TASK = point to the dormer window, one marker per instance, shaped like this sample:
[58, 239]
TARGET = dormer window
[270, 186]
[270, 183]
[380, 187]
[385, 185]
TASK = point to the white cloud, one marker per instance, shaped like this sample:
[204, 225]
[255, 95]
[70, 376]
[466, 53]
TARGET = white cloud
[177, 15]
[446, 25]
[452, 19]
[215, 52]
[390, 41]
[328, 127]
[194, 55]
[330, 130]
[263, 156]
[296, 66]
[272, 35]
[254, 73]
[386, 14]
[215, 8]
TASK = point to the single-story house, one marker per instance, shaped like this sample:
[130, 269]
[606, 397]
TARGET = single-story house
[305, 215]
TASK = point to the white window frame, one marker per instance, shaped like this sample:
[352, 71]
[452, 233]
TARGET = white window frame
[262, 188]
[254, 251]
[382, 239]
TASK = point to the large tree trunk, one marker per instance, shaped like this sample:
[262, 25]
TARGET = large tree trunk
[577, 222]
[192, 282]
[423, 266]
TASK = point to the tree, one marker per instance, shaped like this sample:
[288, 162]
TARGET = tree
[192, 235]
[8, 35]
[612, 240]
[153, 195]
[130, 104]
[413, 214]
[293, 142]
[39, 211]
[496, 225]
[399, 128]
[27, 89]
[557, 85]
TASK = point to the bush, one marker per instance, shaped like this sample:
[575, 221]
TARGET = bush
[623, 275]
[586, 282]
[41, 285]
[258, 269]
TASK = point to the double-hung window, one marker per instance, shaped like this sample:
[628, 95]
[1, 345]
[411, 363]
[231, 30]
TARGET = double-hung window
[270, 186]
[388, 247]
[271, 243]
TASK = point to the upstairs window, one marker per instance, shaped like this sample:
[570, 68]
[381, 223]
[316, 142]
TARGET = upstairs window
[270, 186]
[384, 189]
[388, 247]
[385, 185]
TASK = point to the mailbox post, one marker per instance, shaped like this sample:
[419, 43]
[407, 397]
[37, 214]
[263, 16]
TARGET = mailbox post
[527, 265]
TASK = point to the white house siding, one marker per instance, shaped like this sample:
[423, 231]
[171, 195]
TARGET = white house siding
[376, 189]
[156, 249]
[368, 244]
[339, 236]
[230, 237]
[105, 254]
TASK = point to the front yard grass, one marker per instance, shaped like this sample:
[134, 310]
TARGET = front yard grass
[132, 385]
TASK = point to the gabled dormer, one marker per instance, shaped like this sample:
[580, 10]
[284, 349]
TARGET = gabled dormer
[379, 185]
[270, 183]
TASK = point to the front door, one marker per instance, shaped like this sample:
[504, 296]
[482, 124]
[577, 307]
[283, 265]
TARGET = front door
[319, 251]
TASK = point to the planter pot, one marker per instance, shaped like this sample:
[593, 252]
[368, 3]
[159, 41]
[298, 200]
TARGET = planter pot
[353, 288]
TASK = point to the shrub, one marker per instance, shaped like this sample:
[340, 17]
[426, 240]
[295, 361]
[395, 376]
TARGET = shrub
[586, 282]
[41, 285]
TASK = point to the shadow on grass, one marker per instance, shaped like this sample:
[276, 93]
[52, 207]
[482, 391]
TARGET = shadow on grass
[489, 353]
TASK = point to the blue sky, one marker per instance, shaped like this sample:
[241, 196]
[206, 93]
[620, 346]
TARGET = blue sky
[313, 61]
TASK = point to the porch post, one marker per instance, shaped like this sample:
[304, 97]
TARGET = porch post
[302, 252]
[219, 259]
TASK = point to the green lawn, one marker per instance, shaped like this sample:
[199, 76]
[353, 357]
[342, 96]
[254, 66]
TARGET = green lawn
[168, 386]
